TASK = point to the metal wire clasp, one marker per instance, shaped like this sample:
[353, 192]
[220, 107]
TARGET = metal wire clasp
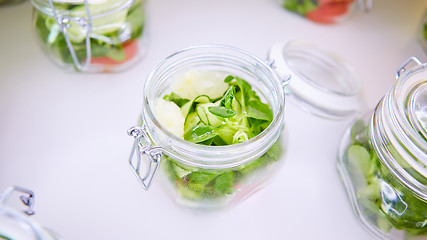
[409, 64]
[27, 200]
[366, 5]
[65, 22]
[143, 147]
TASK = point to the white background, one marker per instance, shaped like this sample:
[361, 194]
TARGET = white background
[63, 135]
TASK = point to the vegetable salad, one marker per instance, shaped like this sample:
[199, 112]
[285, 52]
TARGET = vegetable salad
[214, 109]
[113, 38]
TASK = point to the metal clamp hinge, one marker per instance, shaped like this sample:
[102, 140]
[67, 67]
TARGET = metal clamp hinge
[143, 147]
[65, 22]
[366, 5]
[409, 64]
[27, 200]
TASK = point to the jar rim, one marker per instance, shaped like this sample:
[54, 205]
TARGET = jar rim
[215, 156]
[44, 7]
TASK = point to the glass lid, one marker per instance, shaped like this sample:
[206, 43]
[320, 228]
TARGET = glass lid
[318, 81]
[410, 101]
[418, 108]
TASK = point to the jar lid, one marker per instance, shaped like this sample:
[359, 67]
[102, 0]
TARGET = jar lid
[19, 225]
[318, 81]
[409, 102]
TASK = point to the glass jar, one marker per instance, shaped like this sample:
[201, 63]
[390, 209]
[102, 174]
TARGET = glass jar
[383, 159]
[326, 11]
[91, 35]
[18, 225]
[209, 177]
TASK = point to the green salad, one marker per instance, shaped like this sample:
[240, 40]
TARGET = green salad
[113, 38]
[230, 113]
[381, 197]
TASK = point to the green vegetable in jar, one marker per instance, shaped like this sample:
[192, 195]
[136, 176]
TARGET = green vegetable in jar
[227, 112]
[112, 39]
[382, 197]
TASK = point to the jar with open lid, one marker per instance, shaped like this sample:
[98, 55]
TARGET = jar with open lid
[213, 116]
[326, 11]
[91, 35]
[383, 159]
[19, 225]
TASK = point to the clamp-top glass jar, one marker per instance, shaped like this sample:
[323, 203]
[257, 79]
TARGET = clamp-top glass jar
[383, 159]
[91, 35]
[326, 11]
[18, 225]
[245, 147]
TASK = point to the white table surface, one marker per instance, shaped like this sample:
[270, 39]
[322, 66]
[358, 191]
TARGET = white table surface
[63, 135]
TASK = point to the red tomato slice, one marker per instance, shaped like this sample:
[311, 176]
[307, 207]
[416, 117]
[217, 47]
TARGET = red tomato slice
[328, 12]
[130, 49]
[322, 2]
[319, 17]
[334, 9]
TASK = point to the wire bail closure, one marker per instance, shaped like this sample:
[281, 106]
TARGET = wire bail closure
[65, 22]
[27, 200]
[366, 5]
[409, 64]
[143, 147]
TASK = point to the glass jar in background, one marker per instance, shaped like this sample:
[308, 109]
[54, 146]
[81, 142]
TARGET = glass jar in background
[210, 177]
[326, 11]
[91, 35]
[19, 225]
[422, 33]
[383, 159]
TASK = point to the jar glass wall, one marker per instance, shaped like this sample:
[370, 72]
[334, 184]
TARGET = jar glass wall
[383, 160]
[210, 177]
[422, 33]
[91, 36]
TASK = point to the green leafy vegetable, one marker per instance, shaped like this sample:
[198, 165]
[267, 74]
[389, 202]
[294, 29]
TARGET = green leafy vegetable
[301, 7]
[200, 133]
[222, 111]
[176, 99]
[208, 184]
[224, 183]
[228, 97]
[382, 197]
[233, 118]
